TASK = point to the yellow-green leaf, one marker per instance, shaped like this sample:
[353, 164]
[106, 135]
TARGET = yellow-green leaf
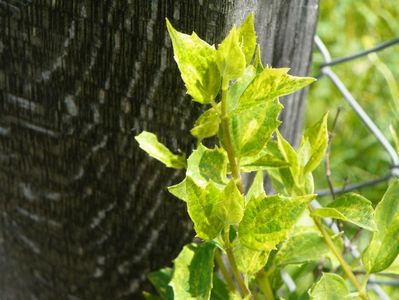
[268, 220]
[230, 57]
[247, 37]
[384, 245]
[179, 190]
[235, 91]
[314, 145]
[258, 60]
[206, 164]
[150, 144]
[207, 125]
[330, 287]
[230, 207]
[352, 208]
[257, 188]
[193, 272]
[196, 60]
[249, 261]
[202, 207]
[289, 84]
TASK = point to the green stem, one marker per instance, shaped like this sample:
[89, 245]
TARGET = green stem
[345, 267]
[264, 285]
[235, 169]
[223, 270]
[230, 255]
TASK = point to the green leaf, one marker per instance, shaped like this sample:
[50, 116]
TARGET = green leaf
[150, 144]
[289, 84]
[330, 287]
[202, 208]
[230, 208]
[235, 91]
[148, 296]
[207, 125]
[249, 261]
[179, 190]
[302, 248]
[193, 272]
[252, 128]
[384, 245]
[257, 188]
[261, 88]
[247, 37]
[352, 208]
[230, 57]
[206, 164]
[268, 220]
[160, 280]
[258, 61]
[261, 161]
[314, 145]
[196, 60]
[221, 292]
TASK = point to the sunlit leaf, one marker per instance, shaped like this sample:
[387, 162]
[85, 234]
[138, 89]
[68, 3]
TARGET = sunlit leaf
[314, 145]
[384, 245]
[202, 207]
[230, 57]
[268, 220]
[248, 260]
[330, 287]
[230, 207]
[258, 60]
[235, 91]
[196, 60]
[289, 84]
[206, 164]
[302, 248]
[252, 128]
[352, 208]
[179, 190]
[193, 272]
[150, 144]
[257, 189]
[247, 37]
[207, 125]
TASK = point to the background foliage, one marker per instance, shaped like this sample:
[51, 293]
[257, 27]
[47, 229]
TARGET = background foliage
[347, 27]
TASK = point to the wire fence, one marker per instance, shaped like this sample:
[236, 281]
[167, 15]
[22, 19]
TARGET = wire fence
[325, 70]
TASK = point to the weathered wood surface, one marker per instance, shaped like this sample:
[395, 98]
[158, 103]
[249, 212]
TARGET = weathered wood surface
[83, 212]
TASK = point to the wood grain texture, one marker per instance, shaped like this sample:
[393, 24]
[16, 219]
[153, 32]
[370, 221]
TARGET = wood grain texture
[83, 212]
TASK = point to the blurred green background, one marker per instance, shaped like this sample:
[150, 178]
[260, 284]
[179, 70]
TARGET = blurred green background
[346, 27]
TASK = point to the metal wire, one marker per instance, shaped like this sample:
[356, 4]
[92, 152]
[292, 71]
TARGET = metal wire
[326, 70]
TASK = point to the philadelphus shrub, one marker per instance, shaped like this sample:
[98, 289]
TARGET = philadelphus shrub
[249, 238]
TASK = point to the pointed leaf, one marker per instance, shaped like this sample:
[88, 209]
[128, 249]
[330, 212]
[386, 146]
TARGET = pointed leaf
[257, 188]
[206, 164]
[252, 128]
[230, 57]
[258, 60]
[384, 245]
[193, 272]
[196, 60]
[268, 220]
[247, 37]
[160, 280]
[179, 190]
[289, 84]
[261, 162]
[352, 208]
[249, 261]
[302, 248]
[330, 287]
[230, 208]
[202, 205]
[207, 125]
[314, 145]
[150, 144]
[235, 91]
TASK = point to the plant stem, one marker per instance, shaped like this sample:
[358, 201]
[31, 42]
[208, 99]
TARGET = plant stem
[223, 270]
[233, 264]
[345, 267]
[235, 169]
[264, 285]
